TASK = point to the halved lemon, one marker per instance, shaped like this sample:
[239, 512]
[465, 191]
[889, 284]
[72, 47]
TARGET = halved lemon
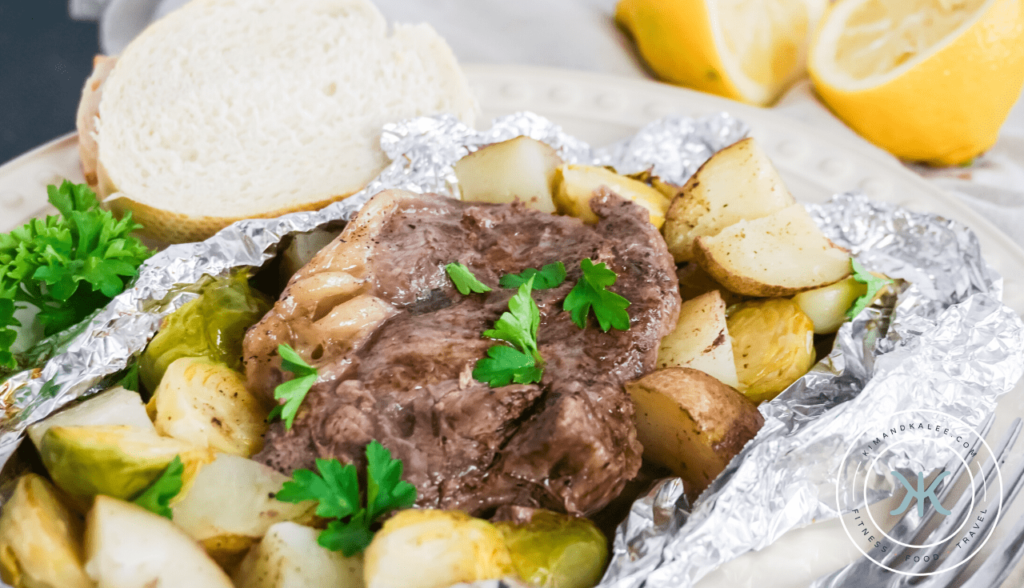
[748, 50]
[927, 80]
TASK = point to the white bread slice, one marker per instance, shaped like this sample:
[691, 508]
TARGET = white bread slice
[229, 109]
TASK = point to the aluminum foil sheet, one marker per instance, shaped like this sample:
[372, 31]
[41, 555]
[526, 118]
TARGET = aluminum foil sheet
[943, 340]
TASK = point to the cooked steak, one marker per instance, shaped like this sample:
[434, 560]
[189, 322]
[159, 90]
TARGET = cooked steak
[395, 345]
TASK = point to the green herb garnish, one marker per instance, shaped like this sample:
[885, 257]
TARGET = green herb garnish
[157, 498]
[504, 365]
[874, 284]
[67, 266]
[590, 292]
[518, 326]
[464, 279]
[294, 391]
[336, 490]
[550, 276]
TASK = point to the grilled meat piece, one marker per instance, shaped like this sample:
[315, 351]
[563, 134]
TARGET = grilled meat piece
[395, 345]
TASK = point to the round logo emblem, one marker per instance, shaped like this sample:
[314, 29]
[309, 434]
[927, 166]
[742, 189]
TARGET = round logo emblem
[897, 458]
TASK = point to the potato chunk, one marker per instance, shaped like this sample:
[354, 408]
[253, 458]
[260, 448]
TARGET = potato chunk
[127, 546]
[575, 186]
[737, 183]
[778, 255]
[231, 505]
[40, 539]
[290, 557]
[701, 340]
[521, 168]
[773, 342]
[206, 404]
[116, 406]
[691, 423]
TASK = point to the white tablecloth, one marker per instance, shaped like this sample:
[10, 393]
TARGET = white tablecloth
[580, 34]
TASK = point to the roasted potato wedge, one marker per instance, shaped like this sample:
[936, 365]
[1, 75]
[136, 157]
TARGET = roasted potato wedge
[701, 340]
[116, 406]
[290, 557]
[40, 539]
[231, 505]
[206, 404]
[575, 186]
[518, 169]
[778, 255]
[737, 183]
[127, 546]
[691, 423]
[773, 343]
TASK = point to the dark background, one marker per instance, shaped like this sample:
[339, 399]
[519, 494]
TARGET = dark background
[45, 58]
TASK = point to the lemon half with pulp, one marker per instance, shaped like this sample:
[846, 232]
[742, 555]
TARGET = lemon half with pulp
[927, 80]
[747, 50]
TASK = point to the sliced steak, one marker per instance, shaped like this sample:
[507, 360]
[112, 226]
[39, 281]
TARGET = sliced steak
[395, 345]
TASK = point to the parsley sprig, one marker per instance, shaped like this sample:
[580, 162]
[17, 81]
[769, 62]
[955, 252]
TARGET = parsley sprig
[591, 293]
[874, 284]
[465, 281]
[157, 497]
[550, 276]
[522, 364]
[336, 490]
[294, 391]
[68, 265]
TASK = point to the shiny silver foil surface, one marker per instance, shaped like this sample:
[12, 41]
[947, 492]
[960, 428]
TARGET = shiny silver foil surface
[943, 340]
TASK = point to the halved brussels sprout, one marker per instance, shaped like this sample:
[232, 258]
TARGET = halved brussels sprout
[113, 460]
[772, 343]
[211, 326]
[207, 404]
[40, 539]
[552, 550]
[435, 549]
[827, 307]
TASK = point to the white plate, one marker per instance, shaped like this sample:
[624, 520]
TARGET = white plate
[815, 164]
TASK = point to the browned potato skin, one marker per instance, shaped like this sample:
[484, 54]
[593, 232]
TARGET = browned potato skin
[691, 423]
[742, 285]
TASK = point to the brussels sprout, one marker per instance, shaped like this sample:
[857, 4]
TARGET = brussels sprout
[211, 326]
[40, 539]
[826, 307]
[116, 406]
[113, 460]
[290, 557]
[207, 404]
[435, 549]
[552, 550]
[773, 344]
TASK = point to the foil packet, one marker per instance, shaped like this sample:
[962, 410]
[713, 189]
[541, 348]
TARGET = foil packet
[944, 340]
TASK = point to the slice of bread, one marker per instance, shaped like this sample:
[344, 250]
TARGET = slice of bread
[230, 109]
